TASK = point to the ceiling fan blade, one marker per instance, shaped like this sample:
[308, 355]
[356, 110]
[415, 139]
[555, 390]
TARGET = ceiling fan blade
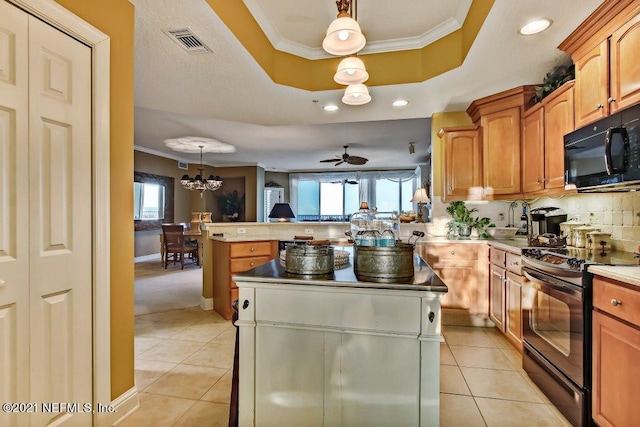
[331, 160]
[357, 160]
[339, 163]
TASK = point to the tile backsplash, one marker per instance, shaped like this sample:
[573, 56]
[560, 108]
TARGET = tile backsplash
[615, 213]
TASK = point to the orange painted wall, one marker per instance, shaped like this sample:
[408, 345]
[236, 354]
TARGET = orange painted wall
[116, 19]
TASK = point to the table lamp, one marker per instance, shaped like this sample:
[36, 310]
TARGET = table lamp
[281, 211]
[421, 197]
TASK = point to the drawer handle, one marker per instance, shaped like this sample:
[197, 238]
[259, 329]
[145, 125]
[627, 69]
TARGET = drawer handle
[252, 249]
[496, 256]
[599, 106]
[245, 304]
[453, 252]
[615, 302]
[514, 263]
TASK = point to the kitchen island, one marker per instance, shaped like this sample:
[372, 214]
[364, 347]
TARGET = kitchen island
[335, 351]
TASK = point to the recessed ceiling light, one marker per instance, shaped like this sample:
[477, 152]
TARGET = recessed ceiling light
[400, 103]
[330, 108]
[535, 27]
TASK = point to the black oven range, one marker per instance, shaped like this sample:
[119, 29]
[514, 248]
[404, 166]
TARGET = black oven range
[556, 322]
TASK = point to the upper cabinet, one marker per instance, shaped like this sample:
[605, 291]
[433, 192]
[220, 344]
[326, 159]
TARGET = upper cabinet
[499, 117]
[462, 163]
[604, 49]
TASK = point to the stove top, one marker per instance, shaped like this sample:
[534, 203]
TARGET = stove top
[576, 259]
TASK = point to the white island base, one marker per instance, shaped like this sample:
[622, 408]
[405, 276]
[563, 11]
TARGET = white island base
[338, 353]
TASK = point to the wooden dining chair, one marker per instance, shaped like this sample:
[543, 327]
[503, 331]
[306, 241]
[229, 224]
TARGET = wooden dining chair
[176, 246]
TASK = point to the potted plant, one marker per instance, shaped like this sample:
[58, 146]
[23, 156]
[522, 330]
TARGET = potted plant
[231, 204]
[463, 222]
[553, 80]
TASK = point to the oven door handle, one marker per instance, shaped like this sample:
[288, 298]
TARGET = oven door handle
[608, 161]
[550, 282]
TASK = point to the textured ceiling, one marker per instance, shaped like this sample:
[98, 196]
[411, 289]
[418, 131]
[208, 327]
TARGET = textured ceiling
[226, 95]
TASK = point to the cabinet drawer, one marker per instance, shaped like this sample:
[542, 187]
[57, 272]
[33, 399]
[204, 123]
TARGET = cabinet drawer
[616, 300]
[243, 264]
[245, 249]
[497, 257]
[464, 251]
[513, 263]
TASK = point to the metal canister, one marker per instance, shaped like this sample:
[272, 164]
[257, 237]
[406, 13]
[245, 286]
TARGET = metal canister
[380, 263]
[309, 259]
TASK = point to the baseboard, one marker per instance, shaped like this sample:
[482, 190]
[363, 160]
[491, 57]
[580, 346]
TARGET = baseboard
[151, 257]
[124, 405]
[206, 303]
[461, 317]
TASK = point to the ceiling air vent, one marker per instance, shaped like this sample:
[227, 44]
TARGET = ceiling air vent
[187, 39]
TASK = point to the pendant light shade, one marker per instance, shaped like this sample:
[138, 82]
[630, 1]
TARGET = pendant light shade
[351, 71]
[344, 36]
[357, 94]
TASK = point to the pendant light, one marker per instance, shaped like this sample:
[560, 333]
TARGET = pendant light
[344, 36]
[351, 70]
[357, 94]
[200, 183]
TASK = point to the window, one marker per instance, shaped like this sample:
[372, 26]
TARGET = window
[394, 194]
[148, 201]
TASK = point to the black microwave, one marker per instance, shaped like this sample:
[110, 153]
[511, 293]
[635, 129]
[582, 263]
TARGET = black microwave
[605, 155]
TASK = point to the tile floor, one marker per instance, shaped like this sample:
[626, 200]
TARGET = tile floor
[184, 360]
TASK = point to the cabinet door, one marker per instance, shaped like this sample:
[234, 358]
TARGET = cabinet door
[558, 121]
[501, 152]
[625, 71]
[592, 85]
[513, 300]
[533, 150]
[616, 351]
[496, 296]
[461, 279]
[462, 165]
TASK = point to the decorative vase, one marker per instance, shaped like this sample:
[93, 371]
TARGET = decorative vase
[464, 231]
[206, 217]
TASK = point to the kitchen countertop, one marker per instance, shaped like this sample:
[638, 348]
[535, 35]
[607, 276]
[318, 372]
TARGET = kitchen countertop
[424, 279]
[627, 274]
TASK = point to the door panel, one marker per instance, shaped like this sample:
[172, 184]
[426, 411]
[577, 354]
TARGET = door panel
[60, 220]
[14, 224]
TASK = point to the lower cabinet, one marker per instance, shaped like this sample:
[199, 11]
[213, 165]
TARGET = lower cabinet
[505, 294]
[230, 258]
[616, 351]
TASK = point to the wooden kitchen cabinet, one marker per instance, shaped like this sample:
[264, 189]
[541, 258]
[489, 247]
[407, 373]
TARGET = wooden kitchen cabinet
[462, 163]
[616, 351]
[533, 150]
[604, 49]
[457, 265]
[505, 294]
[230, 258]
[500, 116]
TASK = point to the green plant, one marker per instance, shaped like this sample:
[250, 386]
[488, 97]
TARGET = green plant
[462, 215]
[553, 80]
[231, 203]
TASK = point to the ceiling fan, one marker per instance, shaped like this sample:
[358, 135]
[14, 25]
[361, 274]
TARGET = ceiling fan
[346, 158]
[345, 181]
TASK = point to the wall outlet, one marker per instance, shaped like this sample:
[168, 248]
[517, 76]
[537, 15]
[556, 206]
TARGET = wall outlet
[308, 231]
[241, 230]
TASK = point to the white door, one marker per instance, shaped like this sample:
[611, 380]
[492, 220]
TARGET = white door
[45, 187]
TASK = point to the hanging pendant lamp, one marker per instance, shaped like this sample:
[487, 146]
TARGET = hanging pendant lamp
[200, 183]
[351, 71]
[357, 94]
[344, 36]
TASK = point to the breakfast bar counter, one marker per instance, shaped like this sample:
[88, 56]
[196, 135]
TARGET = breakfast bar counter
[335, 350]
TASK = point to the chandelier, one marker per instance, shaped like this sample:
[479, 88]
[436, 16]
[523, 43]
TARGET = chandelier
[200, 183]
[344, 37]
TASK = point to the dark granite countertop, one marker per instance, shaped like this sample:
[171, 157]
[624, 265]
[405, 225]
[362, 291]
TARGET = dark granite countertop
[424, 279]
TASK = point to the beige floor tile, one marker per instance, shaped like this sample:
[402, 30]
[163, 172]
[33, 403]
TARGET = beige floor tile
[183, 316]
[205, 414]
[148, 371]
[142, 344]
[499, 384]
[533, 385]
[459, 335]
[213, 355]
[458, 411]
[159, 329]
[157, 411]
[480, 357]
[227, 337]
[221, 391]
[202, 332]
[174, 351]
[452, 381]
[565, 422]
[505, 413]
[446, 357]
[186, 381]
[514, 356]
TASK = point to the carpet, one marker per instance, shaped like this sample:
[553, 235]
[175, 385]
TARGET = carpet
[157, 289]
